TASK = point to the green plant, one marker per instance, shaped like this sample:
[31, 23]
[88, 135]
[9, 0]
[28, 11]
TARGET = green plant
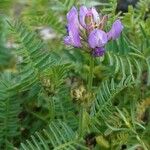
[57, 97]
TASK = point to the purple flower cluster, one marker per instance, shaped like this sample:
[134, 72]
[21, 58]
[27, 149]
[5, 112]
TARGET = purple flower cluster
[88, 21]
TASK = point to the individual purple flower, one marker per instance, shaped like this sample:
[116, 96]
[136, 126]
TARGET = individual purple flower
[92, 26]
[115, 31]
[97, 38]
[90, 13]
[73, 37]
[83, 11]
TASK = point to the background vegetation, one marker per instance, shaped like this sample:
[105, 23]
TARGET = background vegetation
[43, 83]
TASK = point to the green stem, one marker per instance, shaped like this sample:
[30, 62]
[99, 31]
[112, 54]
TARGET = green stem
[90, 77]
[83, 121]
[142, 143]
[83, 108]
[81, 118]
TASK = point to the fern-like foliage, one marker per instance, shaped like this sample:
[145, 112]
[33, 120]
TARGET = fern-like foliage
[9, 111]
[58, 136]
[53, 81]
[102, 106]
[110, 120]
[49, 19]
[34, 54]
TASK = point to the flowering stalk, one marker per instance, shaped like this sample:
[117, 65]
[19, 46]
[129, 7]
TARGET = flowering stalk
[86, 30]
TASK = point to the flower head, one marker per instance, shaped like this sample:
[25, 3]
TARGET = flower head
[93, 25]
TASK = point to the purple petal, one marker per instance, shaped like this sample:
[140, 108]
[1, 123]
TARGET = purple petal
[97, 52]
[72, 15]
[97, 38]
[95, 15]
[116, 30]
[82, 13]
[73, 37]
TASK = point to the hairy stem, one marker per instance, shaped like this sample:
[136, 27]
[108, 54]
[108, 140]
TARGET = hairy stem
[83, 121]
[90, 78]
